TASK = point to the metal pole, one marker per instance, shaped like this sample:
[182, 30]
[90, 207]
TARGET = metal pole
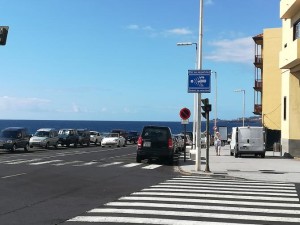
[198, 127]
[207, 142]
[244, 92]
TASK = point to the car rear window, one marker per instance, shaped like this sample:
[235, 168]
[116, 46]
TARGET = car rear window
[156, 133]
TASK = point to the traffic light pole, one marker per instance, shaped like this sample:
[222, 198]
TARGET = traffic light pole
[207, 142]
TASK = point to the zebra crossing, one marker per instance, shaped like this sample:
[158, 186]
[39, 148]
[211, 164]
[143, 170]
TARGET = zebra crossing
[77, 163]
[202, 200]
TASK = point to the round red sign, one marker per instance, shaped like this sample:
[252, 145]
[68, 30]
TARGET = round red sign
[185, 113]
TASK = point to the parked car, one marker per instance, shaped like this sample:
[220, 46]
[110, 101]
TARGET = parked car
[113, 139]
[68, 137]
[84, 137]
[44, 138]
[132, 137]
[155, 142]
[95, 137]
[122, 133]
[12, 138]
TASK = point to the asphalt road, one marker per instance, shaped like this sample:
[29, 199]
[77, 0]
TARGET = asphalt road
[46, 187]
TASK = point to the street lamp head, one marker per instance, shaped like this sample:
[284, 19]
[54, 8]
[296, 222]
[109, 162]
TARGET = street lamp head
[184, 43]
[239, 90]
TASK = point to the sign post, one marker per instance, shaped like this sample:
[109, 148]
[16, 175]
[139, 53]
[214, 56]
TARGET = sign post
[185, 114]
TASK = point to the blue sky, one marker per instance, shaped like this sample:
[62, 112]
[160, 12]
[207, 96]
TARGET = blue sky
[118, 59]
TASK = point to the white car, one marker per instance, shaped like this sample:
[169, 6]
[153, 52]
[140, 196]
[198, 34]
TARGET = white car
[95, 137]
[113, 139]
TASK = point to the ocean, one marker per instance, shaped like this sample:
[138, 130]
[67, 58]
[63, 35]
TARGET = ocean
[107, 126]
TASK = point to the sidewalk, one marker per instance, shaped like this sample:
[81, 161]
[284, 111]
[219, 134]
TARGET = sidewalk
[271, 168]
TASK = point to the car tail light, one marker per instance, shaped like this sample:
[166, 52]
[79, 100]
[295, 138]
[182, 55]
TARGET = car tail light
[140, 142]
[170, 143]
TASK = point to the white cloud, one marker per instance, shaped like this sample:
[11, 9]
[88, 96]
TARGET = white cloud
[179, 31]
[133, 27]
[239, 50]
[208, 2]
[8, 103]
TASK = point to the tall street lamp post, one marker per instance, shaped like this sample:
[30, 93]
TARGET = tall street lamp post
[244, 93]
[216, 98]
[195, 96]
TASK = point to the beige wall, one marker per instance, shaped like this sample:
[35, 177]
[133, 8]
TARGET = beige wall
[271, 97]
[290, 65]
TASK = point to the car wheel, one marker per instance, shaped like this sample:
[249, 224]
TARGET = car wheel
[13, 148]
[56, 145]
[138, 159]
[47, 145]
[75, 144]
[118, 144]
[68, 145]
[96, 142]
[231, 153]
[263, 155]
[26, 147]
[88, 144]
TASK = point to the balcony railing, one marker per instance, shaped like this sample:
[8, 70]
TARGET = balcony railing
[257, 109]
[258, 85]
[258, 61]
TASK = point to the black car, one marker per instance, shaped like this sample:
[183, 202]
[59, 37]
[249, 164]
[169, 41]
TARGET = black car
[84, 137]
[12, 138]
[132, 137]
[68, 136]
[155, 142]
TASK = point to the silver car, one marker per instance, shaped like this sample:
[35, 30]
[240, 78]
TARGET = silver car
[44, 138]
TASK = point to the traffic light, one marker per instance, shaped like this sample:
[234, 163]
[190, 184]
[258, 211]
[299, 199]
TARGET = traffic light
[3, 34]
[206, 107]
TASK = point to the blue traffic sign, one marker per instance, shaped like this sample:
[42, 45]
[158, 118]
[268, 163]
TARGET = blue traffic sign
[199, 81]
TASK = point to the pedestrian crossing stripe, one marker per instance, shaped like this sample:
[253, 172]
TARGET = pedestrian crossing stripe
[166, 203]
[76, 163]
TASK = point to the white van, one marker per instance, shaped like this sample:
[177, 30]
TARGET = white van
[247, 140]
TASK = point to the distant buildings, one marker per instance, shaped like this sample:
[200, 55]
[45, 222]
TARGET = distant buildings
[277, 79]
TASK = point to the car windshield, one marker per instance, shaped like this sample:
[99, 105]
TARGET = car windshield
[93, 133]
[9, 134]
[113, 135]
[66, 132]
[42, 134]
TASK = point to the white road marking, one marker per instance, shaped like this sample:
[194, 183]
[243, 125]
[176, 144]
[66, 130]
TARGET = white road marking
[140, 220]
[262, 198]
[196, 214]
[44, 162]
[15, 175]
[151, 167]
[86, 164]
[23, 161]
[203, 207]
[209, 187]
[110, 164]
[66, 163]
[175, 189]
[131, 165]
[211, 201]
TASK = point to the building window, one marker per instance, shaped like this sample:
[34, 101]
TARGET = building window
[284, 108]
[297, 30]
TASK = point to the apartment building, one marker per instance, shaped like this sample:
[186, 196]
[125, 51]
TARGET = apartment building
[267, 98]
[289, 63]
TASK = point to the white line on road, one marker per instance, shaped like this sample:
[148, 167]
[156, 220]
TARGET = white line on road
[131, 165]
[86, 164]
[196, 214]
[217, 196]
[66, 163]
[175, 189]
[211, 201]
[23, 161]
[15, 175]
[110, 164]
[140, 220]
[203, 207]
[44, 162]
[151, 167]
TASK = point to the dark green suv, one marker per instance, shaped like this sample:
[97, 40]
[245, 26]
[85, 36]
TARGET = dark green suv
[12, 138]
[155, 142]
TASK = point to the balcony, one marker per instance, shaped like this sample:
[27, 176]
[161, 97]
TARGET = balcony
[289, 57]
[257, 109]
[258, 61]
[258, 85]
